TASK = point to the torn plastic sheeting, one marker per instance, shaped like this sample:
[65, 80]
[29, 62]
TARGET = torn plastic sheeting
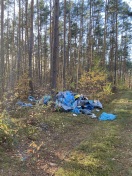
[46, 98]
[86, 111]
[32, 99]
[96, 104]
[88, 106]
[61, 105]
[65, 100]
[76, 110]
[81, 102]
[105, 116]
[20, 103]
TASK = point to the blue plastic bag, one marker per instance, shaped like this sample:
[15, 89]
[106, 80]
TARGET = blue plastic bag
[76, 110]
[32, 99]
[47, 98]
[105, 116]
[20, 103]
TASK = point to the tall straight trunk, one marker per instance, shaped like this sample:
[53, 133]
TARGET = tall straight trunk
[45, 56]
[116, 45]
[55, 47]
[90, 39]
[2, 51]
[41, 55]
[38, 49]
[64, 51]
[26, 35]
[124, 59]
[111, 56]
[105, 32]
[31, 48]
[22, 38]
[69, 43]
[19, 42]
[7, 65]
[13, 52]
[51, 39]
[79, 65]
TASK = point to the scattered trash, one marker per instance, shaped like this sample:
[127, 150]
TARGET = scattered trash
[53, 164]
[65, 100]
[86, 111]
[74, 114]
[76, 110]
[97, 110]
[47, 98]
[20, 103]
[24, 158]
[96, 104]
[68, 101]
[32, 99]
[93, 116]
[105, 116]
[44, 100]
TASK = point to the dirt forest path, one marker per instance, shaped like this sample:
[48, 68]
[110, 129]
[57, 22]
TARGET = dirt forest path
[66, 145]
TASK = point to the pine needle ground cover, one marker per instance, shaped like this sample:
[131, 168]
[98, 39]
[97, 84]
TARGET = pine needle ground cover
[53, 143]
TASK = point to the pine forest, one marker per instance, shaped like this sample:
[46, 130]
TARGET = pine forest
[48, 45]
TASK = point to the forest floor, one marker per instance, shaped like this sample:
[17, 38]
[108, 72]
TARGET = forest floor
[60, 144]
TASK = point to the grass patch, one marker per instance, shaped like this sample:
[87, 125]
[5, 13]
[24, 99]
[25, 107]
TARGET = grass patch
[101, 152]
[93, 148]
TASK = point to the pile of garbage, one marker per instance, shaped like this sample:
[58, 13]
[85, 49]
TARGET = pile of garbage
[75, 103]
[69, 101]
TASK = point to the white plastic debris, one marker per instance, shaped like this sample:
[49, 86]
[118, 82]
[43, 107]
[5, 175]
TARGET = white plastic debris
[93, 116]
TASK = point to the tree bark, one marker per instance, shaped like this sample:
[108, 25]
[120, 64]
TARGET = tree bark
[31, 48]
[64, 51]
[2, 51]
[55, 47]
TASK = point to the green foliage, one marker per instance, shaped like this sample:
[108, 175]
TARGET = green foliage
[107, 90]
[121, 85]
[22, 87]
[44, 12]
[94, 83]
[7, 130]
[72, 86]
[126, 81]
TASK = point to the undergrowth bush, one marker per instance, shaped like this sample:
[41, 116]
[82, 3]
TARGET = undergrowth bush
[7, 130]
[122, 85]
[94, 84]
[22, 87]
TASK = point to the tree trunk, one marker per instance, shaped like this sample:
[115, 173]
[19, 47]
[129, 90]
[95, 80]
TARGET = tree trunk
[116, 45]
[55, 47]
[19, 43]
[31, 48]
[38, 48]
[90, 40]
[64, 51]
[2, 51]
[105, 32]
